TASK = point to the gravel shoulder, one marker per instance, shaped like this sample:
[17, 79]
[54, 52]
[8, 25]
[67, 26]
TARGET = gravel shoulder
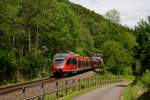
[112, 92]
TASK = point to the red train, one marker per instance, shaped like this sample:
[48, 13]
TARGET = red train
[69, 62]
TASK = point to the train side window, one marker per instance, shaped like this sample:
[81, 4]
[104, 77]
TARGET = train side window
[83, 63]
[69, 62]
[79, 63]
[74, 61]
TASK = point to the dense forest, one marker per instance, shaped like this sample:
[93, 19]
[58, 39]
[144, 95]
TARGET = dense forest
[28, 27]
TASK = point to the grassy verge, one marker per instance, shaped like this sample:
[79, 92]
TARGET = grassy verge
[129, 77]
[139, 89]
[77, 93]
[127, 94]
[47, 97]
[134, 91]
[22, 81]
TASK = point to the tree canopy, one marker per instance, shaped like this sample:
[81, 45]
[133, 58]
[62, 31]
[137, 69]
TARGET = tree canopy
[142, 33]
[113, 15]
[27, 26]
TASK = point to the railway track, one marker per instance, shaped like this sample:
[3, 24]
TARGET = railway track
[4, 90]
[34, 88]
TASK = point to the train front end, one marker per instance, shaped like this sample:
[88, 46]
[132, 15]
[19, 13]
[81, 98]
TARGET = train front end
[59, 62]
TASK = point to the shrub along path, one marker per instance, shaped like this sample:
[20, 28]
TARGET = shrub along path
[112, 92]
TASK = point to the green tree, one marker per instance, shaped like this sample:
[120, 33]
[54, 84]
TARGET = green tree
[113, 15]
[142, 32]
[116, 57]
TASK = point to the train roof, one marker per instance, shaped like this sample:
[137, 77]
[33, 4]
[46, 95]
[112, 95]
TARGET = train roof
[71, 55]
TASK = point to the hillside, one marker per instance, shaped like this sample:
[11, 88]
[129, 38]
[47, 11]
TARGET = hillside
[28, 26]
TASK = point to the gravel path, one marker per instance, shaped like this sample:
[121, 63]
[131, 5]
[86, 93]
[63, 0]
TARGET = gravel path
[112, 92]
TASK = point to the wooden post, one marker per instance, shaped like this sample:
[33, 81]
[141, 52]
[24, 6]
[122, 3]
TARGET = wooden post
[94, 81]
[113, 79]
[100, 81]
[23, 94]
[88, 83]
[42, 87]
[79, 84]
[85, 82]
[83, 86]
[57, 90]
[66, 87]
[73, 83]
[103, 80]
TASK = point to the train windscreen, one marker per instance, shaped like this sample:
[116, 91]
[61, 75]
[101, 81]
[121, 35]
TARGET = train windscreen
[60, 58]
[59, 62]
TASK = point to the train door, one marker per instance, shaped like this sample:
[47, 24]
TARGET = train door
[71, 64]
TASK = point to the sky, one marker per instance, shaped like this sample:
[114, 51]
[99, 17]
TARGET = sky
[131, 11]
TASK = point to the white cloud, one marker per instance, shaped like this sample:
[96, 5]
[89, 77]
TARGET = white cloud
[131, 11]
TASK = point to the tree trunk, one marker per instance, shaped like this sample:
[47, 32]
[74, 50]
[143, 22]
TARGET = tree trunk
[29, 39]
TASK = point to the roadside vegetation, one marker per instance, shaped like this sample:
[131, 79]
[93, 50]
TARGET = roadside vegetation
[140, 88]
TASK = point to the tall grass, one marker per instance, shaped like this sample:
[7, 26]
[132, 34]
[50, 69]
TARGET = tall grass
[138, 89]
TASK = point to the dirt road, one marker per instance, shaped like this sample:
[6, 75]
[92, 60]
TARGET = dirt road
[112, 92]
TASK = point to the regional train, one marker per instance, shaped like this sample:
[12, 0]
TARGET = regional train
[68, 62]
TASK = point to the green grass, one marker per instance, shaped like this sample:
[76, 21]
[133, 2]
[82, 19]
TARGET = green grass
[127, 93]
[47, 97]
[129, 77]
[139, 89]
[133, 91]
[77, 93]
[21, 81]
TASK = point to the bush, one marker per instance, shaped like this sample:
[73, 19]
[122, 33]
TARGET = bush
[7, 68]
[116, 57]
[127, 94]
[146, 78]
